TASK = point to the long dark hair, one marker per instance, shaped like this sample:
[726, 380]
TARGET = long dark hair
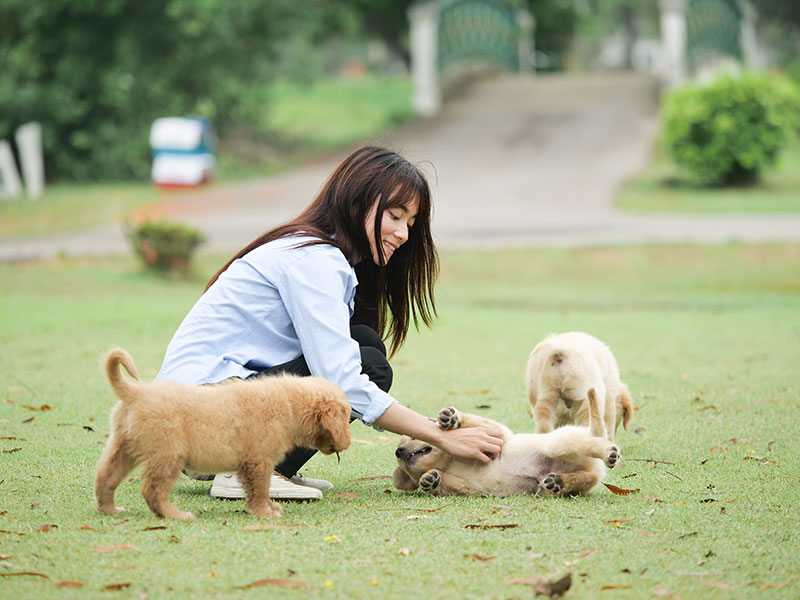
[389, 295]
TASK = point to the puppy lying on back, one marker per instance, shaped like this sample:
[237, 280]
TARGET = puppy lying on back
[243, 426]
[562, 369]
[569, 461]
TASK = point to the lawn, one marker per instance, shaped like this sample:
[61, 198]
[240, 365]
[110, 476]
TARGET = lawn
[662, 187]
[708, 339]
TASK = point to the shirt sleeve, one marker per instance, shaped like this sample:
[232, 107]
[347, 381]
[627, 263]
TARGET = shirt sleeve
[316, 290]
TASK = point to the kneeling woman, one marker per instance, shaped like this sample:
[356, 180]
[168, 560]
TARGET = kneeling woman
[315, 296]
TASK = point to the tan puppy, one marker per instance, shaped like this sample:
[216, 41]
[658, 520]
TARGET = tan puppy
[243, 426]
[569, 461]
[562, 369]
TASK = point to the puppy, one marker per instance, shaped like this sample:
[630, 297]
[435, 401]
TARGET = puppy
[562, 369]
[243, 426]
[569, 461]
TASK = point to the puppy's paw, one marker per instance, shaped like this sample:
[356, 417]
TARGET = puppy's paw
[551, 485]
[612, 457]
[184, 516]
[449, 418]
[110, 510]
[267, 511]
[430, 481]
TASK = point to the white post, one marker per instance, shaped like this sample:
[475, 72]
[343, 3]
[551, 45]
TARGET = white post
[10, 186]
[673, 40]
[750, 51]
[29, 143]
[527, 44]
[426, 96]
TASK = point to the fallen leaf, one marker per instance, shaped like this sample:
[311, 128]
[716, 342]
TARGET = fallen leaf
[754, 457]
[618, 522]
[23, 574]
[404, 552]
[683, 535]
[718, 584]
[480, 558]
[272, 526]
[87, 527]
[30, 420]
[719, 449]
[46, 528]
[118, 547]
[69, 584]
[709, 407]
[116, 587]
[43, 407]
[287, 583]
[154, 527]
[615, 587]
[546, 585]
[12, 450]
[619, 491]
[506, 526]
[347, 495]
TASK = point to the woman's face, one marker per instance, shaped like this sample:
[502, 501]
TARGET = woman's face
[395, 223]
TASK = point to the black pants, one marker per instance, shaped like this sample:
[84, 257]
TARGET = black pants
[373, 364]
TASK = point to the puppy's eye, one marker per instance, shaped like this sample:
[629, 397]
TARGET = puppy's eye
[423, 451]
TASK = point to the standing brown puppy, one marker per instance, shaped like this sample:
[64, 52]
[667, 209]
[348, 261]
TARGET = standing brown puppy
[242, 426]
[562, 369]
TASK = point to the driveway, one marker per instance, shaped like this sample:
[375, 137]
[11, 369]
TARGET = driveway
[513, 161]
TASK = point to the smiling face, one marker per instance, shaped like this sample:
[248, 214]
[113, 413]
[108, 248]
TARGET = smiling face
[395, 224]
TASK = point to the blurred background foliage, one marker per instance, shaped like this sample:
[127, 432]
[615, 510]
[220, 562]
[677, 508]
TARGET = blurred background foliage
[95, 73]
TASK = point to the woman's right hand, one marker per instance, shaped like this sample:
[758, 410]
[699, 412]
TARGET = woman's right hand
[480, 443]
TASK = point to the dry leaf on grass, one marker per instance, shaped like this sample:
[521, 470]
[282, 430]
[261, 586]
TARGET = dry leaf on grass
[504, 526]
[547, 585]
[69, 584]
[287, 583]
[614, 587]
[620, 491]
[480, 558]
[24, 574]
[118, 547]
[116, 587]
[271, 526]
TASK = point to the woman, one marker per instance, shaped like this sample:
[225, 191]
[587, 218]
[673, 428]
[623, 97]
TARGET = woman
[316, 295]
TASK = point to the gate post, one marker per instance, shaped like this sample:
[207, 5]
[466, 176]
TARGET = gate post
[527, 44]
[749, 42]
[673, 40]
[427, 95]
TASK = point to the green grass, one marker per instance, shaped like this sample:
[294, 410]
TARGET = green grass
[307, 119]
[663, 188]
[708, 338]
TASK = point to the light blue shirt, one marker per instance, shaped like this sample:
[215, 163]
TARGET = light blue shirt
[269, 307]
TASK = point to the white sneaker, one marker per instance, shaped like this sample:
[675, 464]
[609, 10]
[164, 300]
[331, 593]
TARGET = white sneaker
[319, 484]
[227, 486]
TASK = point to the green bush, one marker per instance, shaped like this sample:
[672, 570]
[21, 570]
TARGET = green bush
[727, 132]
[163, 246]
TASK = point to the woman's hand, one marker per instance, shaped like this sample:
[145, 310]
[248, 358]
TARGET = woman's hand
[480, 443]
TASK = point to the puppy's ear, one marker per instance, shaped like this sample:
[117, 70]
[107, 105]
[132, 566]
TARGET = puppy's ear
[402, 481]
[334, 423]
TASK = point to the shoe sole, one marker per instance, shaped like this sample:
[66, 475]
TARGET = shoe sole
[235, 494]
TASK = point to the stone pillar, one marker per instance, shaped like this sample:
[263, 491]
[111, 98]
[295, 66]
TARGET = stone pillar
[427, 94]
[750, 51]
[10, 185]
[527, 44]
[29, 144]
[673, 40]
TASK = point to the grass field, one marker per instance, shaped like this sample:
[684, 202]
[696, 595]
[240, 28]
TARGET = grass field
[708, 339]
[662, 187]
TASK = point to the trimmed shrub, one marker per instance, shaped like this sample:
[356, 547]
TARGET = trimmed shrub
[727, 132]
[163, 246]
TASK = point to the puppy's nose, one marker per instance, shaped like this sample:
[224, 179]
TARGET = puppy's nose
[400, 452]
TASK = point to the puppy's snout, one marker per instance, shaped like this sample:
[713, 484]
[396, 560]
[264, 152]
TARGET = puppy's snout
[401, 453]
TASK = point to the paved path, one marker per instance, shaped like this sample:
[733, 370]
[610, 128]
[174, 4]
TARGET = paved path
[512, 161]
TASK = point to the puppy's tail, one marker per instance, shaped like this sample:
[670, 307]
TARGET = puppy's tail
[624, 406]
[123, 388]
